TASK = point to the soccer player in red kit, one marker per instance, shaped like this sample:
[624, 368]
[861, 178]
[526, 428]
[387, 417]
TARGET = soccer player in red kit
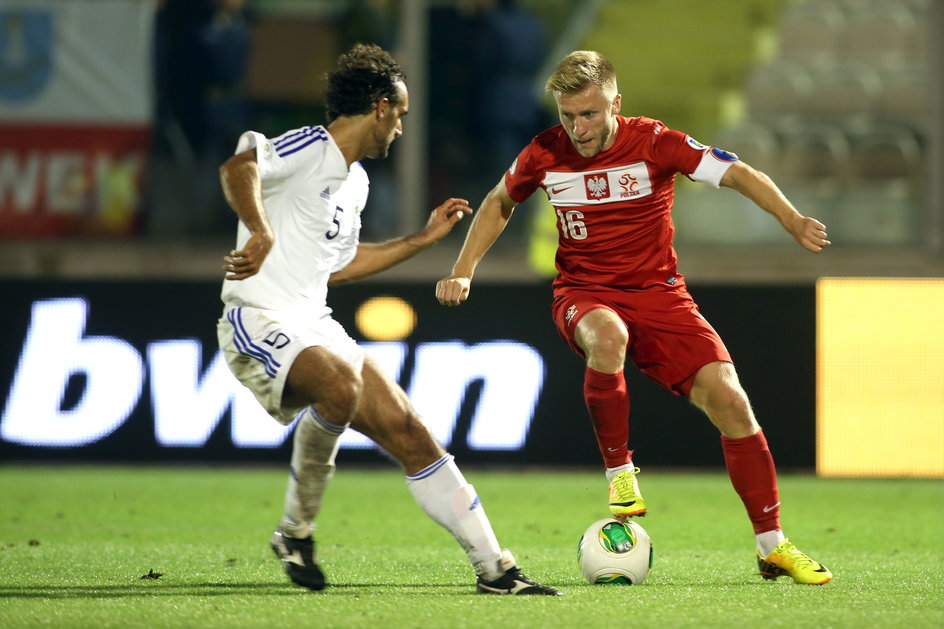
[611, 181]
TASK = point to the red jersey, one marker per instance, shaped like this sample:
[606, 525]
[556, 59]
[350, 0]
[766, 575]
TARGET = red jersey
[614, 210]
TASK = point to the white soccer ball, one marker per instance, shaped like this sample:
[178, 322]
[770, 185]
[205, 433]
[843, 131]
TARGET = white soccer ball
[612, 551]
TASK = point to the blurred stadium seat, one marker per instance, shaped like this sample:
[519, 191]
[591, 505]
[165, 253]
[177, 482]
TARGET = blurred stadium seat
[904, 98]
[811, 31]
[847, 100]
[723, 216]
[879, 32]
[842, 92]
[814, 155]
[777, 91]
[754, 143]
[886, 214]
[884, 153]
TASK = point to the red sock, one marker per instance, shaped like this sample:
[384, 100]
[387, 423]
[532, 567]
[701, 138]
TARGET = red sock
[608, 403]
[752, 472]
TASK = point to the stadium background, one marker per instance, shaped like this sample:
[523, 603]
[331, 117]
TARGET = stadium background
[109, 147]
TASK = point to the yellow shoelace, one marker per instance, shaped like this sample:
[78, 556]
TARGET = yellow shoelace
[624, 484]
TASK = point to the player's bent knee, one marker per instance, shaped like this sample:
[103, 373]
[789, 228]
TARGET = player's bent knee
[602, 336]
[342, 403]
[609, 348]
[330, 384]
[607, 355]
[730, 397]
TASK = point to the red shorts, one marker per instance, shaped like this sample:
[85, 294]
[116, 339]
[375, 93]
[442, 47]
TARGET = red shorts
[669, 339]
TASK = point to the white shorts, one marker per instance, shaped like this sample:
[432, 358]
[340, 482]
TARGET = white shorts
[260, 346]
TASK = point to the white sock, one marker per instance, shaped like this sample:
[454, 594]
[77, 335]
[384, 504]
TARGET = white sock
[442, 492]
[613, 471]
[315, 445]
[768, 540]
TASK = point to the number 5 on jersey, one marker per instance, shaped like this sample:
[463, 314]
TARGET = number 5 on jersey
[331, 233]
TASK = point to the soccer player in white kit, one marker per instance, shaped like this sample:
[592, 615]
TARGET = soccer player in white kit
[299, 197]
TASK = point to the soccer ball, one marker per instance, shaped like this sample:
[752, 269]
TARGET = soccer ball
[612, 551]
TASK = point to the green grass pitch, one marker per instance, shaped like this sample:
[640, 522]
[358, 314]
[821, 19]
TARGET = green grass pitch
[75, 543]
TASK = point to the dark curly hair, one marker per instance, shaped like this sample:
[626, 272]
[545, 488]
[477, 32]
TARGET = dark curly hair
[365, 75]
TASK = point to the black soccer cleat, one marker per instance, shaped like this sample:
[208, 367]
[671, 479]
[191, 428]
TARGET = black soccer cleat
[298, 559]
[513, 582]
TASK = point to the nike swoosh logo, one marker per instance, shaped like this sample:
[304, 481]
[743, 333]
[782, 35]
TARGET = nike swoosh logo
[769, 509]
[559, 190]
[821, 568]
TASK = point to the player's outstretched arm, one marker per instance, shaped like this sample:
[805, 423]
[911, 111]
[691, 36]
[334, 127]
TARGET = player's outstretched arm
[759, 188]
[488, 224]
[373, 258]
[242, 187]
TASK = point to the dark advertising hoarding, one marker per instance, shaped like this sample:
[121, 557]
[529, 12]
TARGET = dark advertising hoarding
[131, 372]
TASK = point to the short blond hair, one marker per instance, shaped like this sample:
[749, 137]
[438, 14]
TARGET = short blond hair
[580, 70]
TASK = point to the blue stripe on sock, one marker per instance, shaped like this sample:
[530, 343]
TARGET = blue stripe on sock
[431, 469]
[324, 423]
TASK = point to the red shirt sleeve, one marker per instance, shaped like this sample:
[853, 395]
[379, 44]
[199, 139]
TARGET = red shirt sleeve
[677, 152]
[522, 178]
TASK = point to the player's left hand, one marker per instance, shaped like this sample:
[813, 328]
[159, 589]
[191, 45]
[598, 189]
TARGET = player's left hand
[810, 233]
[444, 218]
[247, 261]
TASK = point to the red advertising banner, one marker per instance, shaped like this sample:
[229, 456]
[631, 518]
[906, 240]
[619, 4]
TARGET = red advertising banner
[75, 109]
[77, 179]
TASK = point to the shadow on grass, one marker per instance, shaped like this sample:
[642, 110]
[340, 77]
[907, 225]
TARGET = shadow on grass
[280, 588]
[283, 588]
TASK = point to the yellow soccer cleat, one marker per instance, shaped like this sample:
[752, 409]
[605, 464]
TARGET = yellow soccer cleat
[625, 499]
[786, 559]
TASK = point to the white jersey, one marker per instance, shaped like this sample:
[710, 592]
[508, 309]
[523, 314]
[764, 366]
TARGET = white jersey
[313, 203]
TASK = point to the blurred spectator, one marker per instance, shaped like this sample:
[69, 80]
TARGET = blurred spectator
[373, 22]
[484, 108]
[453, 166]
[367, 21]
[201, 62]
[508, 49]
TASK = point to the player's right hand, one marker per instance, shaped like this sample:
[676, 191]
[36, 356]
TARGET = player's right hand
[452, 290]
[247, 261]
[809, 233]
